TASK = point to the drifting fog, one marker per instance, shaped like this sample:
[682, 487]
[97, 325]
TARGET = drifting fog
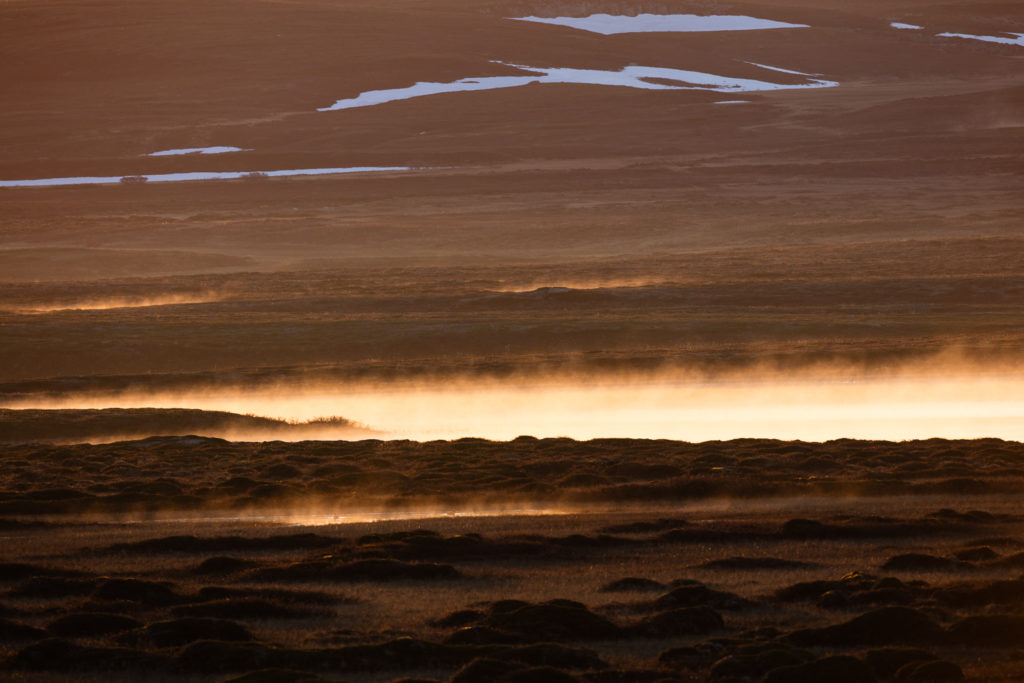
[942, 398]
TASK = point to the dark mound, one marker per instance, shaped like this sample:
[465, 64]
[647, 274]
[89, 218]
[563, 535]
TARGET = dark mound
[212, 657]
[137, 590]
[555, 621]
[680, 622]
[552, 654]
[459, 618]
[53, 587]
[701, 596]
[632, 584]
[12, 631]
[56, 654]
[836, 669]
[884, 626]
[1008, 592]
[993, 630]
[484, 670]
[930, 672]
[886, 661]
[276, 676]
[982, 554]
[482, 635]
[644, 527]
[87, 624]
[190, 629]
[538, 674]
[19, 571]
[925, 563]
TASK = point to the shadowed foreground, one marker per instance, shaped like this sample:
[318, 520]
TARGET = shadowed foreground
[530, 560]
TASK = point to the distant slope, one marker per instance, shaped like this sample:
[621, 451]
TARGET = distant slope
[113, 424]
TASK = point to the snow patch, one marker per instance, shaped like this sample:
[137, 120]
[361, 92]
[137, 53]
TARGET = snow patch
[641, 77]
[196, 175]
[907, 27]
[1018, 40]
[196, 150]
[733, 102]
[608, 24]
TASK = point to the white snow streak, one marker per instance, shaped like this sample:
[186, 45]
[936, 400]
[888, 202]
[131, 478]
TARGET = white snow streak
[1019, 40]
[197, 175]
[641, 77]
[196, 150]
[608, 24]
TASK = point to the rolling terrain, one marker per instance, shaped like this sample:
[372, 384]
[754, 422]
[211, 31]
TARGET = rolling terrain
[282, 282]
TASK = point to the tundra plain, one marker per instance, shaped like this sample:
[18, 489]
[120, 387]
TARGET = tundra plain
[274, 422]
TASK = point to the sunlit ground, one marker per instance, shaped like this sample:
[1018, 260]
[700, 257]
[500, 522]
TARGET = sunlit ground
[890, 408]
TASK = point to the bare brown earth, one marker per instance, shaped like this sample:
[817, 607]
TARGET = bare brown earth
[540, 230]
[881, 214]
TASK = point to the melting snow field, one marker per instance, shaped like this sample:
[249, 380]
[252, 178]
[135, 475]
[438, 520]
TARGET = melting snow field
[1018, 40]
[196, 150]
[608, 24]
[642, 77]
[197, 175]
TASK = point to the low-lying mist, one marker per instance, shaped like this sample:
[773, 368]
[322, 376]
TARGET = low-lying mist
[107, 303]
[944, 397]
